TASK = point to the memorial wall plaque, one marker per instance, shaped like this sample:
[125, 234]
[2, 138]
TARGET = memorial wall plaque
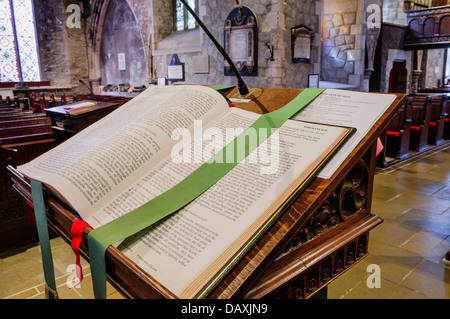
[301, 43]
[240, 37]
[175, 69]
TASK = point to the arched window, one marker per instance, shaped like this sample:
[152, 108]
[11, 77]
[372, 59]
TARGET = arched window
[183, 19]
[19, 60]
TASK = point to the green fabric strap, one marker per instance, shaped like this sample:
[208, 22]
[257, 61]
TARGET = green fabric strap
[181, 194]
[41, 224]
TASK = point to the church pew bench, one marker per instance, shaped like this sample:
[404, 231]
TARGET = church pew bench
[446, 116]
[17, 224]
[437, 119]
[21, 116]
[9, 111]
[25, 122]
[6, 101]
[7, 107]
[13, 112]
[399, 132]
[25, 130]
[18, 140]
[420, 122]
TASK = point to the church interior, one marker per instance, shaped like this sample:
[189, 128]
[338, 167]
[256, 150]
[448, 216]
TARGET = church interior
[395, 244]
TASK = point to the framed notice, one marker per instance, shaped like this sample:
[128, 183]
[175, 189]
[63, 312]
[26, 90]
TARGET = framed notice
[241, 41]
[122, 63]
[301, 44]
[175, 69]
[162, 81]
[313, 81]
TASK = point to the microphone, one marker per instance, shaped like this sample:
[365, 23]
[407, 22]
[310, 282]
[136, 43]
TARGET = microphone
[95, 96]
[243, 90]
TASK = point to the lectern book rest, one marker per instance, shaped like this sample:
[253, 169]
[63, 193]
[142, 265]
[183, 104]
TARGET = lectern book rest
[157, 140]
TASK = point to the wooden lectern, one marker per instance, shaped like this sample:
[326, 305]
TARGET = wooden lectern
[324, 233]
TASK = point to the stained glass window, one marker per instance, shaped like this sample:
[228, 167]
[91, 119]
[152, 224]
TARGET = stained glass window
[18, 50]
[183, 19]
[8, 60]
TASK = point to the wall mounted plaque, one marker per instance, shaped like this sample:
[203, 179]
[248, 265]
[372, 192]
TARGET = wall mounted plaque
[122, 62]
[313, 81]
[301, 43]
[241, 38]
[175, 69]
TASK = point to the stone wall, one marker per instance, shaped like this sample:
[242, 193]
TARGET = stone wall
[343, 49]
[339, 57]
[52, 40]
[62, 50]
[434, 69]
[274, 18]
[393, 12]
[122, 37]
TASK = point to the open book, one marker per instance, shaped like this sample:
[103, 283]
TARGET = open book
[156, 140]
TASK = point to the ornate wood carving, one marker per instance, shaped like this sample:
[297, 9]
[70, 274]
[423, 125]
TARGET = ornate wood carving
[353, 192]
[346, 201]
[428, 28]
[240, 36]
[318, 276]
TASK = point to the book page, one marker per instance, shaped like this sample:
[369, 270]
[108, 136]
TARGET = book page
[98, 163]
[349, 109]
[185, 250]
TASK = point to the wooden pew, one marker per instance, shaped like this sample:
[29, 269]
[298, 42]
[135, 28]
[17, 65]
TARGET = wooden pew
[21, 116]
[21, 140]
[25, 130]
[25, 122]
[7, 110]
[17, 225]
[40, 104]
[420, 122]
[63, 99]
[446, 116]
[437, 119]
[399, 132]
[52, 101]
[7, 106]
[8, 101]
[26, 104]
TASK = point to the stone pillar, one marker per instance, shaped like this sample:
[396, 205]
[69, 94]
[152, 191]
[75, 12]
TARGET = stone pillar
[415, 81]
[372, 34]
[417, 72]
[367, 74]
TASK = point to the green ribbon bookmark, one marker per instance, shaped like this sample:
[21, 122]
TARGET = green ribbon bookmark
[181, 194]
[44, 240]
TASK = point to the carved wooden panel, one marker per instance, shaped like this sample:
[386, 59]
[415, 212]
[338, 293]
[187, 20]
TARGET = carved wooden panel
[318, 276]
[428, 28]
[346, 201]
[308, 268]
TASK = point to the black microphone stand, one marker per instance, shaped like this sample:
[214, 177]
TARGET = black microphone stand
[90, 90]
[243, 90]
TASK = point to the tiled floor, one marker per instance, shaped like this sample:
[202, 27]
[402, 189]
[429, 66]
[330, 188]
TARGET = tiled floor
[413, 199]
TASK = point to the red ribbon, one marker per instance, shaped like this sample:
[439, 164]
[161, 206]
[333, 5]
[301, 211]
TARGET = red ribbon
[76, 231]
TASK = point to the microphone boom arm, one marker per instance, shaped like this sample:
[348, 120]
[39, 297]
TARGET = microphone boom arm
[243, 90]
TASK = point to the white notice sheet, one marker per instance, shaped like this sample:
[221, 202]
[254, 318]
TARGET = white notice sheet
[345, 108]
